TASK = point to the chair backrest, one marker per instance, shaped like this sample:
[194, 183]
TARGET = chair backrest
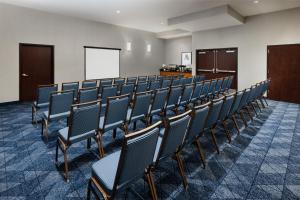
[131, 80]
[89, 83]
[225, 83]
[119, 81]
[141, 104]
[198, 78]
[229, 83]
[252, 94]
[127, 89]
[61, 102]
[152, 78]
[175, 131]
[244, 98]
[160, 98]
[44, 91]
[141, 87]
[87, 94]
[137, 154]
[205, 88]
[174, 95]
[176, 82]
[187, 93]
[212, 86]
[71, 86]
[166, 83]
[154, 85]
[187, 80]
[227, 104]
[142, 78]
[105, 82]
[214, 111]
[218, 85]
[116, 110]
[84, 118]
[236, 103]
[108, 91]
[197, 90]
[199, 115]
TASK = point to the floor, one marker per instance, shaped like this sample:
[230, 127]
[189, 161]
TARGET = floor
[263, 162]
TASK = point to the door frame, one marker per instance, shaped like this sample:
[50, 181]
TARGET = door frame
[20, 63]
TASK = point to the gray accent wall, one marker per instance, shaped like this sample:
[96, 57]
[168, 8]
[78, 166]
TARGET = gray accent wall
[174, 47]
[69, 35]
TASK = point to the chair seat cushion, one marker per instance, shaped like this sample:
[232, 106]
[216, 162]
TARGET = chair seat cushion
[55, 116]
[63, 134]
[105, 170]
[109, 126]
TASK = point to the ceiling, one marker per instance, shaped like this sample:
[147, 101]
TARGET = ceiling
[148, 15]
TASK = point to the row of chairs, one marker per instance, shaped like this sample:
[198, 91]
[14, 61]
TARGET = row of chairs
[166, 139]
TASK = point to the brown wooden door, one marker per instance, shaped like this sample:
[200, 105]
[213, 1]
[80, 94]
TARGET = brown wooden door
[284, 72]
[36, 68]
[205, 63]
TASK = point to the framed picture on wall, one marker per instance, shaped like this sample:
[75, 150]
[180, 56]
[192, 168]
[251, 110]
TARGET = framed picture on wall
[186, 58]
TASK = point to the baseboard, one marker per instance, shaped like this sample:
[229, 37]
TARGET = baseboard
[9, 103]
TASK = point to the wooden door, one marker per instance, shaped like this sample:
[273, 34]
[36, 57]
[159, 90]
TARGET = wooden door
[36, 68]
[284, 71]
[226, 64]
[205, 63]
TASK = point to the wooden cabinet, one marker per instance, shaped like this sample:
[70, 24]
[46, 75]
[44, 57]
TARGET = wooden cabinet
[185, 74]
[215, 63]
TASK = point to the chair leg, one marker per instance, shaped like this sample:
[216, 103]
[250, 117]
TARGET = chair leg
[243, 118]
[253, 108]
[134, 125]
[198, 145]
[249, 113]
[114, 133]
[256, 101]
[214, 140]
[150, 119]
[265, 100]
[262, 103]
[33, 115]
[181, 170]
[88, 195]
[235, 124]
[56, 152]
[228, 135]
[45, 129]
[66, 164]
[151, 184]
[88, 141]
[100, 146]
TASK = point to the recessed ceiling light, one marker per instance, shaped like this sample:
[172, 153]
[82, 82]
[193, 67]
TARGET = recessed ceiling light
[118, 11]
[256, 1]
[162, 23]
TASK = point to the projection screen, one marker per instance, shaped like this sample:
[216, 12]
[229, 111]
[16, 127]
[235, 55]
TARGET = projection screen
[101, 62]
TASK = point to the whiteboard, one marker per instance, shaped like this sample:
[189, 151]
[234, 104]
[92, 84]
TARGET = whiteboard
[101, 63]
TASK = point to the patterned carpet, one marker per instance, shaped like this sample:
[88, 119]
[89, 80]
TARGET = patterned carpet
[261, 163]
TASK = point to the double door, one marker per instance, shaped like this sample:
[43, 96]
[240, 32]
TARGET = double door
[216, 63]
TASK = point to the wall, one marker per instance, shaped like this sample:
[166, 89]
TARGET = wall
[174, 47]
[252, 39]
[69, 35]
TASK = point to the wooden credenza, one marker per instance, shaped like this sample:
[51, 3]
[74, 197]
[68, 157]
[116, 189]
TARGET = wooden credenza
[185, 74]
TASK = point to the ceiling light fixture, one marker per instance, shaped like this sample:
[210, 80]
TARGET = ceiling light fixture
[162, 23]
[128, 46]
[118, 11]
[256, 1]
[148, 47]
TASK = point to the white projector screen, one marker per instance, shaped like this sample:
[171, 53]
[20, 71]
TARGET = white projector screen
[101, 62]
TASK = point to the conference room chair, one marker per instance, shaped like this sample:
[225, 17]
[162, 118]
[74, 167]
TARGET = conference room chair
[166, 83]
[114, 117]
[159, 78]
[195, 129]
[42, 99]
[154, 85]
[71, 86]
[229, 83]
[119, 170]
[187, 80]
[173, 99]
[140, 108]
[152, 78]
[242, 105]
[127, 89]
[212, 119]
[141, 87]
[89, 83]
[186, 96]
[224, 113]
[224, 84]
[204, 91]
[83, 125]
[131, 80]
[233, 110]
[105, 82]
[107, 91]
[142, 78]
[59, 108]
[250, 99]
[176, 82]
[252, 103]
[211, 90]
[118, 82]
[159, 102]
[87, 94]
[265, 86]
[196, 93]
[218, 87]
[170, 140]
[198, 78]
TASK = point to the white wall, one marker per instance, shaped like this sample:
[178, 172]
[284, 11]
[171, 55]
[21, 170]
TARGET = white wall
[174, 47]
[252, 39]
[69, 35]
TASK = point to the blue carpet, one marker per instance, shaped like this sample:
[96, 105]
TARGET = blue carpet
[261, 163]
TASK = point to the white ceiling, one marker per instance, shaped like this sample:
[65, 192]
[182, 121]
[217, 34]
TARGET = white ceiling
[148, 14]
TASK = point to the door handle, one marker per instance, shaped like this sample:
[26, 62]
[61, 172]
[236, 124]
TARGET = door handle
[25, 75]
[205, 70]
[226, 71]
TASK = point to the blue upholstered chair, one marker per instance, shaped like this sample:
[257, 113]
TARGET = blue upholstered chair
[42, 99]
[118, 82]
[142, 78]
[224, 113]
[159, 102]
[176, 82]
[115, 116]
[186, 96]
[229, 83]
[218, 87]
[224, 84]
[127, 89]
[131, 80]
[198, 78]
[166, 83]
[59, 108]
[87, 95]
[83, 125]
[242, 105]
[170, 141]
[197, 92]
[152, 78]
[141, 87]
[204, 91]
[107, 91]
[154, 85]
[89, 84]
[140, 108]
[196, 127]
[105, 82]
[71, 86]
[187, 80]
[212, 119]
[233, 110]
[173, 99]
[120, 169]
[212, 87]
